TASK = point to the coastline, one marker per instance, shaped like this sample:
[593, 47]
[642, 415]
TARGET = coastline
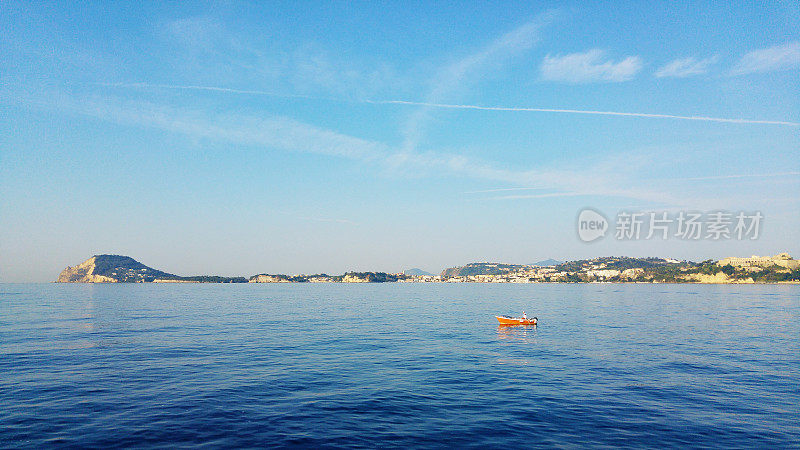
[760, 283]
[778, 269]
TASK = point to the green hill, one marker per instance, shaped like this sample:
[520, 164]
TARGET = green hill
[484, 268]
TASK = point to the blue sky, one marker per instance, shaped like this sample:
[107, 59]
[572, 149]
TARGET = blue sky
[234, 138]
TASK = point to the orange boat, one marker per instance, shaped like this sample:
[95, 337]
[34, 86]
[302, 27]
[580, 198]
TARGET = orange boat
[506, 320]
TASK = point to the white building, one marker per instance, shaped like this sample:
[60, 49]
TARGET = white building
[781, 260]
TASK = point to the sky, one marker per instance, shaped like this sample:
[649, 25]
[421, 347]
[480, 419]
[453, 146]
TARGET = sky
[237, 138]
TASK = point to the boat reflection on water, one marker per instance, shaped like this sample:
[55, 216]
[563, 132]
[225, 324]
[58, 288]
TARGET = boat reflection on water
[524, 333]
[519, 337]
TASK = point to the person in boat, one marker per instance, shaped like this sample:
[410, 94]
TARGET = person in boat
[524, 316]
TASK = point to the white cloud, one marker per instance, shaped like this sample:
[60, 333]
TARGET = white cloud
[589, 67]
[686, 67]
[779, 57]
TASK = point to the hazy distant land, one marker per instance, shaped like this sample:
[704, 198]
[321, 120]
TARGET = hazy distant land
[781, 268]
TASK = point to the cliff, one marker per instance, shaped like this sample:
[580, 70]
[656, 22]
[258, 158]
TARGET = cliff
[112, 269]
[124, 269]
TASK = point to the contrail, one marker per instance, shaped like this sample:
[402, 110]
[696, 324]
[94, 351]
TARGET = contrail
[552, 194]
[452, 106]
[757, 175]
[212, 89]
[583, 111]
[482, 191]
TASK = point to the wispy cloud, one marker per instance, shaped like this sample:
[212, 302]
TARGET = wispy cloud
[455, 76]
[326, 220]
[208, 48]
[275, 133]
[590, 66]
[605, 191]
[315, 218]
[573, 194]
[779, 57]
[198, 31]
[686, 67]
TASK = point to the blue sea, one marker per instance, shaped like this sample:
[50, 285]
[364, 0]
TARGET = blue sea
[399, 365]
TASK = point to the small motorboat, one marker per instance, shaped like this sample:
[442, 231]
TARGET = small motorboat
[506, 320]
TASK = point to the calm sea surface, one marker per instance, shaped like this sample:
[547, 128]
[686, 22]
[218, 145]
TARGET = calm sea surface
[422, 365]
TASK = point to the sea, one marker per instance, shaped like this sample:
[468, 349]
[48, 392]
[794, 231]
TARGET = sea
[399, 365]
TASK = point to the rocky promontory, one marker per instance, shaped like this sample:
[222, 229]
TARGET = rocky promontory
[124, 269]
[111, 269]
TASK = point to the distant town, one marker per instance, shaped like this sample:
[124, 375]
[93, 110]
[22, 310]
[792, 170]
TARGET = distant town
[781, 268]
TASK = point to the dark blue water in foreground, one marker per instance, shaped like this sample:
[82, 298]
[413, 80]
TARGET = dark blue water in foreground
[421, 365]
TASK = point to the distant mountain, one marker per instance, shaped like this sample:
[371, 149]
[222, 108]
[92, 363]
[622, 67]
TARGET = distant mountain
[547, 262]
[110, 269]
[484, 268]
[124, 269]
[417, 273]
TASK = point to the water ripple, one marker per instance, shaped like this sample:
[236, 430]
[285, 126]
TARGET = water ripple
[232, 366]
